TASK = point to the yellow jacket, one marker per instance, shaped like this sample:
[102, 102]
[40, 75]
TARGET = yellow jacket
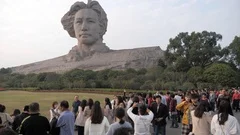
[183, 107]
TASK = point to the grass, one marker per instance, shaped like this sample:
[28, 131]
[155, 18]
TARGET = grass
[17, 99]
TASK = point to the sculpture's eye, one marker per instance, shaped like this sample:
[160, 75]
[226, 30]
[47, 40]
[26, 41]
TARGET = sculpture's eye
[91, 21]
[79, 22]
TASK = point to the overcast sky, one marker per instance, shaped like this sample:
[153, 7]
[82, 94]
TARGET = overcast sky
[30, 30]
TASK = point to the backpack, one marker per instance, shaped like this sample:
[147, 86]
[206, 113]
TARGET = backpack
[54, 130]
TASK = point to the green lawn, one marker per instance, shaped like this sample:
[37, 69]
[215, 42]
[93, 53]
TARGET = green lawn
[17, 99]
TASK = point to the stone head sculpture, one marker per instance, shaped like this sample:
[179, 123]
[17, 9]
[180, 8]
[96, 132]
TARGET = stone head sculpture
[86, 22]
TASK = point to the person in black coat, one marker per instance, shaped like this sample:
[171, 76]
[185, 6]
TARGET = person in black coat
[160, 112]
[225, 97]
[35, 124]
[19, 118]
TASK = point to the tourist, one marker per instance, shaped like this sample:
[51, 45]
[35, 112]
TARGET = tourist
[179, 100]
[88, 109]
[120, 123]
[130, 101]
[54, 111]
[113, 102]
[173, 111]
[235, 99]
[142, 122]
[80, 121]
[184, 106]
[135, 109]
[139, 95]
[108, 112]
[201, 119]
[66, 119]
[144, 98]
[150, 99]
[76, 103]
[212, 100]
[15, 113]
[160, 112]
[119, 102]
[18, 119]
[163, 97]
[224, 123]
[194, 103]
[168, 98]
[6, 118]
[204, 97]
[224, 96]
[35, 124]
[97, 124]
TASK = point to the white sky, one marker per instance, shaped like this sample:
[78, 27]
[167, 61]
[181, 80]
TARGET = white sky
[31, 31]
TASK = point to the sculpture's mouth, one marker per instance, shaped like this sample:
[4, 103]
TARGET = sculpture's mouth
[84, 35]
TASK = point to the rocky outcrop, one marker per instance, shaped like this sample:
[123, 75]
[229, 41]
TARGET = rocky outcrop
[114, 59]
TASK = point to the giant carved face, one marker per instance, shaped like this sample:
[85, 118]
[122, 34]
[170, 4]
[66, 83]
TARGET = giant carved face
[87, 27]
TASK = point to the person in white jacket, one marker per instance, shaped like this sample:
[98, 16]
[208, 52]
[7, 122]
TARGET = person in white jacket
[6, 118]
[54, 111]
[80, 120]
[96, 124]
[142, 122]
[223, 123]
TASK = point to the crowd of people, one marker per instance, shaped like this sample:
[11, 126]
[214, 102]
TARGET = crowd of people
[200, 112]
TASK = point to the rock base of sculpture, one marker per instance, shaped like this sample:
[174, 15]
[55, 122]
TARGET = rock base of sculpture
[114, 59]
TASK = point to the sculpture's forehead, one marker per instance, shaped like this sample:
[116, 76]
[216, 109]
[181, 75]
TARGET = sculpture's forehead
[86, 13]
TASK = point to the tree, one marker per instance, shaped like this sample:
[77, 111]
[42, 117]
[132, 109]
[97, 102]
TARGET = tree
[181, 65]
[234, 51]
[170, 85]
[148, 85]
[220, 74]
[30, 80]
[196, 49]
[79, 84]
[188, 86]
[15, 80]
[195, 75]
[5, 71]
[41, 77]
[161, 63]
[142, 71]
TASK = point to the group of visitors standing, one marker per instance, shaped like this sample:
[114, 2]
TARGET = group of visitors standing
[208, 112]
[200, 113]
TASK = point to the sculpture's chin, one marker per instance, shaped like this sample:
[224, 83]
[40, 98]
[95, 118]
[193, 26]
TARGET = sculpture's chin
[88, 42]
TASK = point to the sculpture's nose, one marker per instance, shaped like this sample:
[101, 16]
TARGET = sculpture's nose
[84, 26]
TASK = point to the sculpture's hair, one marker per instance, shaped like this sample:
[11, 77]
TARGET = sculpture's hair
[68, 19]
